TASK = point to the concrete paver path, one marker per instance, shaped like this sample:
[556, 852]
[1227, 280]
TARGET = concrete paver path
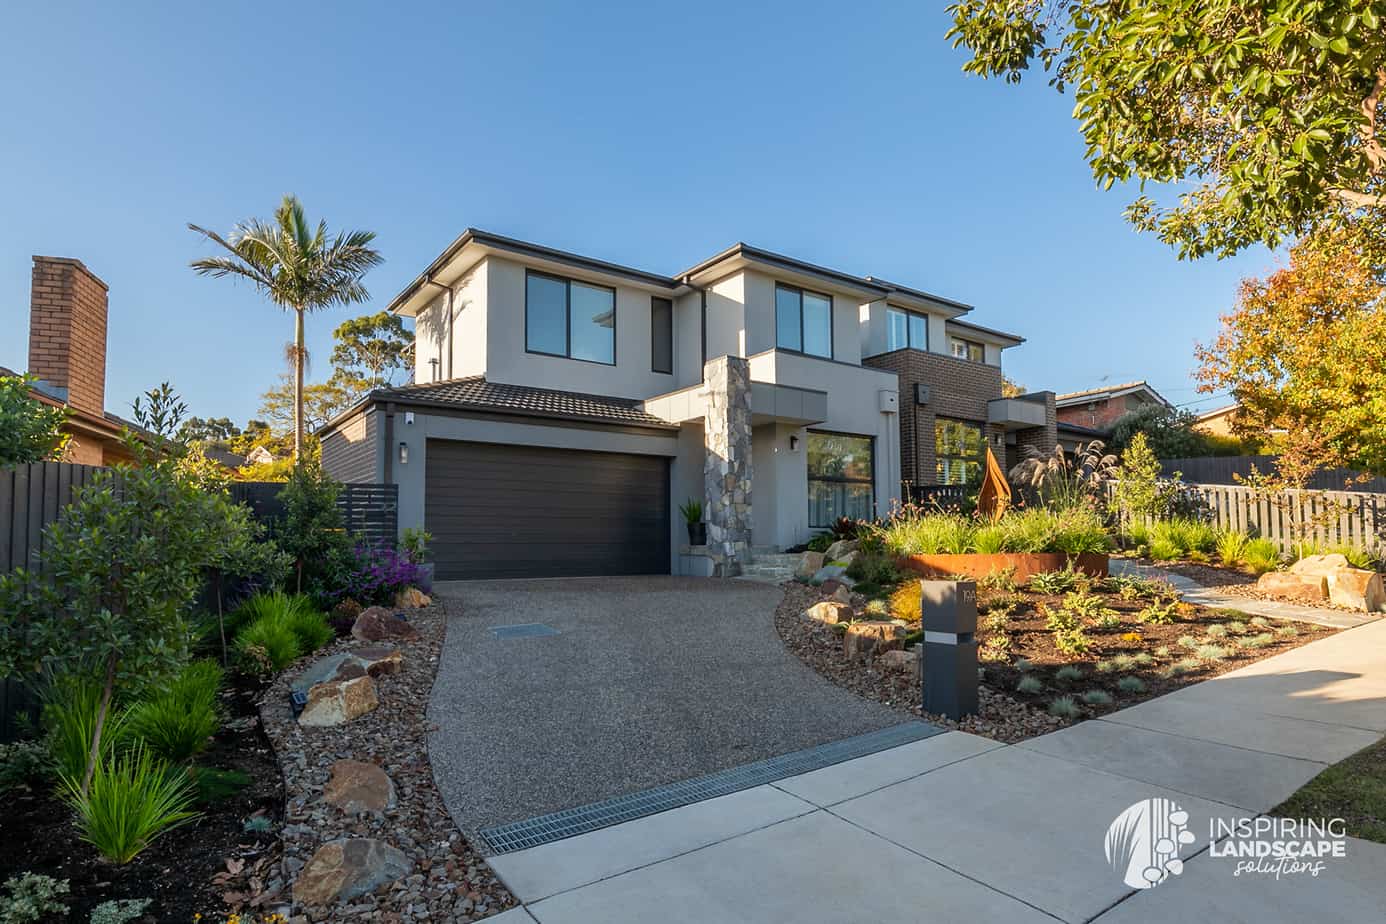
[959, 828]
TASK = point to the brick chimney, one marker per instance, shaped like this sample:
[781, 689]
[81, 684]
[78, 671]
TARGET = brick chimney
[67, 332]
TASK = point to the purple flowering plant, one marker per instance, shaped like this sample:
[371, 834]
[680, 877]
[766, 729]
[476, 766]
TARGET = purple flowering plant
[380, 573]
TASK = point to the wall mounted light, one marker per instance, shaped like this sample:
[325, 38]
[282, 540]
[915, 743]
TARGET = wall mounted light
[408, 417]
[793, 443]
[403, 453]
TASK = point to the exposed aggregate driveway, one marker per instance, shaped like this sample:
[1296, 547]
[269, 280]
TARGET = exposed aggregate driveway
[651, 680]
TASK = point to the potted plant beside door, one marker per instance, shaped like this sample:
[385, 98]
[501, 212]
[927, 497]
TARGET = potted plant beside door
[692, 511]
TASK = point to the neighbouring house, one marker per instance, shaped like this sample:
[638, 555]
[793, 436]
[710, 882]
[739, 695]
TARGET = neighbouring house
[1099, 408]
[67, 352]
[1218, 422]
[564, 407]
[1074, 437]
[259, 456]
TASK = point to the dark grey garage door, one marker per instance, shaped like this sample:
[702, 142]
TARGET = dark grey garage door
[521, 511]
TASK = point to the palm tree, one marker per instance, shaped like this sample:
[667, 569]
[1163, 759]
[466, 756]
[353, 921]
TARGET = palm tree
[296, 268]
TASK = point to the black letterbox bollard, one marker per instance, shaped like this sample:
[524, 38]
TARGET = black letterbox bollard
[949, 621]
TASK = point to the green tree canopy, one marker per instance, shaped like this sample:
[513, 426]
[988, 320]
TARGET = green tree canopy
[1266, 113]
[371, 352]
[1168, 434]
[30, 431]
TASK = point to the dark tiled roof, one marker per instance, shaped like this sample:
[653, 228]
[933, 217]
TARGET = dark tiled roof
[475, 393]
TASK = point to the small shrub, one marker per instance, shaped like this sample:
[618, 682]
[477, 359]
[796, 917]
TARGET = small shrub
[1187, 641]
[1132, 685]
[1162, 652]
[820, 542]
[1259, 622]
[1068, 674]
[31, 897]
[257, 824]
[1053, 582]
[1211, 652]
[1108, 621]
[1181, 667]
[1261, 555]
[1164, 549]
[1142, 659]
[132, 800]
[120, 911]
[23, 764]
[1029, 685]
[1160, 613]
[70, 708]
[1215, 630]
[1256, 641]
[1097, 698]
[1065, 708]
[1002, 580]
[877, 609]
[1230, 547]
[906, 601]
[1023, 664]
[175, 723]
[266, 646]
[1123, 662]
[1105, 667]
[1287, 631]
[1069, 636]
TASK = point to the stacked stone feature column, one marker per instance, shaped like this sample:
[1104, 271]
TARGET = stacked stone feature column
[727, 462]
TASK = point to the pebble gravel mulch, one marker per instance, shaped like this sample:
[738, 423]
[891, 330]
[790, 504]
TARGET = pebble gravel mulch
[1002, 718]
[450, 881]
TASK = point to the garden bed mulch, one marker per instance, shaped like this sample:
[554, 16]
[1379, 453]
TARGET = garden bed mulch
[1158, 658]
[1235, 582]
[206, 866]
[449, 880]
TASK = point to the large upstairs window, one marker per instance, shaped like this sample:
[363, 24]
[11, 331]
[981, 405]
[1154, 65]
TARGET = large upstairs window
[905, 329]
[841, 475]
[970, 350]
[564, 317]
[803, 321]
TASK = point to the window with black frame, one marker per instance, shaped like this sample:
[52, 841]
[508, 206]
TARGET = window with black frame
[841, 478]
[905, 329]
[803, 321]
[564, 317]
[958, 451]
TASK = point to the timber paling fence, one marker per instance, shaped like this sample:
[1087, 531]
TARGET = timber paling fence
[1325, 518]
[33, 496]
[1208, 470]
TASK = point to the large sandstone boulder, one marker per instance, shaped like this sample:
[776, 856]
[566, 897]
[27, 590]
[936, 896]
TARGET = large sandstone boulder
[809, 562]
[829, 613]
[871, 639]
[1320, 564]
[349, 868]
[348, 665]
[1292, 585]
[1356, 588]
[337, 702]
[377, 624]
[357, 786]
[840, 548]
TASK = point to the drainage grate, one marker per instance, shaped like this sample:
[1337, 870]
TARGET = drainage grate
[556, 826]
[524, 630]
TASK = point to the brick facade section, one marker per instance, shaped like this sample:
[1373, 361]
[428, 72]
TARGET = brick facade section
[957, 388]
[67, 331]
[1098, 415]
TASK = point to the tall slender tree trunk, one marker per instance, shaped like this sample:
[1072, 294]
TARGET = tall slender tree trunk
[94, 753]
[298, 385]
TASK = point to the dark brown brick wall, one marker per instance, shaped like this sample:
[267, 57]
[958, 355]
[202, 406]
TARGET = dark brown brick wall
[1043, 439]
[957, 389]
[67, 330]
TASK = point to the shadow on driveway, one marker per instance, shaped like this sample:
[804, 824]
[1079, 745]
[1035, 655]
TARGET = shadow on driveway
[651, 680]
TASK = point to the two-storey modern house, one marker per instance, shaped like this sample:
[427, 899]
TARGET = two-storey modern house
[564, 407]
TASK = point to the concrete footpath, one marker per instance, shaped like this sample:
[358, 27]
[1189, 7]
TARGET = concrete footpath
[960, 828]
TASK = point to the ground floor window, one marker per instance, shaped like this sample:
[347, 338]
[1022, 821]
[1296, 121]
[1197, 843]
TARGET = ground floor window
[958, 451]
[841, 476]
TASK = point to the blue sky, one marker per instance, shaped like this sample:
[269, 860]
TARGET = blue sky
[648, 134]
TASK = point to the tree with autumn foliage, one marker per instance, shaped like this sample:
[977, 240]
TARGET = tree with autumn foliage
[1302, 353]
